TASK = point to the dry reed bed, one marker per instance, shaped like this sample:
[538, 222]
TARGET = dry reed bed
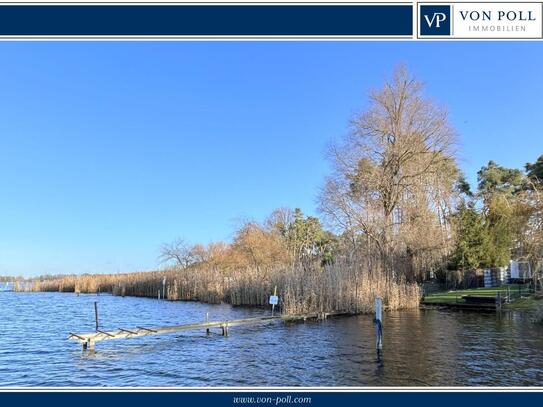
[340, 287]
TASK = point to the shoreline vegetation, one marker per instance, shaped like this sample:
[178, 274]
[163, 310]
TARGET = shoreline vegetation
[334, 288]
[399, 211]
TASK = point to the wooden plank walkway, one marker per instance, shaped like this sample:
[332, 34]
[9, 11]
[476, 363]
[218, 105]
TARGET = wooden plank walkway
[460, 305]
[88, 340]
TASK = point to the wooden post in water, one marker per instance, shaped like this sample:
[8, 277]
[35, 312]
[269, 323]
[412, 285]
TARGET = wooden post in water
[225, 329]
[158, 294]
[164, 288]
[378, 326]
[96, 315]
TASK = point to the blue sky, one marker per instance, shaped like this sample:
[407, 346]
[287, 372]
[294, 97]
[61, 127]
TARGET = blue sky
[109, 149]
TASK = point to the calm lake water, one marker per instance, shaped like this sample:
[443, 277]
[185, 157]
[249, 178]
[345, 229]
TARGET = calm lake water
[421, 348]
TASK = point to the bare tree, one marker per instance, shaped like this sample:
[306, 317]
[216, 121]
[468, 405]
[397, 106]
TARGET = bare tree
[179, 252]
[394, 176]
[279, 220]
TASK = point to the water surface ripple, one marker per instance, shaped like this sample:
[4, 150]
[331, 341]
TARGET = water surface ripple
[421, 347]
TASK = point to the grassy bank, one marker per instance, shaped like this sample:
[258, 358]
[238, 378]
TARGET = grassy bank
[522, 296]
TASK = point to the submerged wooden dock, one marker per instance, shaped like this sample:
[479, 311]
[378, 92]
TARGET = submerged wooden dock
[88, 340]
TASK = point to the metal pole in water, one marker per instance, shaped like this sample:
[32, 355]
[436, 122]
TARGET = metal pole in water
[96, 315]
[378, 326]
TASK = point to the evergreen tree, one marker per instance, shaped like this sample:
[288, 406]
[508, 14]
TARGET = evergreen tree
[535, 171]
[499, 188]
[472, 244]
[308, 240]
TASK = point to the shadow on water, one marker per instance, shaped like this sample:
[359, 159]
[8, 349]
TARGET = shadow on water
[420, 347]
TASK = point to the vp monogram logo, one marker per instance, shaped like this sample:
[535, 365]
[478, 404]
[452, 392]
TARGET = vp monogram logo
[437, 18]
[434, 19]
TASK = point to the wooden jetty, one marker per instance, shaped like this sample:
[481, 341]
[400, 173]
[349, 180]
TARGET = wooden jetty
[460, 305]
[88, 340]
[473, 302]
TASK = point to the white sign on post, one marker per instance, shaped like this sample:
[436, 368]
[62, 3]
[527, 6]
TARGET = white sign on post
[274, 299]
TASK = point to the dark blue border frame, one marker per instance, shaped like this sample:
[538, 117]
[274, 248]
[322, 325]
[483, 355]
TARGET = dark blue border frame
[222, 398]
[204, 20]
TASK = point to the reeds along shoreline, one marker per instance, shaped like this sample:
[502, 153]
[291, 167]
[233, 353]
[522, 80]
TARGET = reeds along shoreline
[338, 287]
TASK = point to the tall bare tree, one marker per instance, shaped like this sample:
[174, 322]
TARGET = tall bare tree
[180, 252]
[394, 177]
